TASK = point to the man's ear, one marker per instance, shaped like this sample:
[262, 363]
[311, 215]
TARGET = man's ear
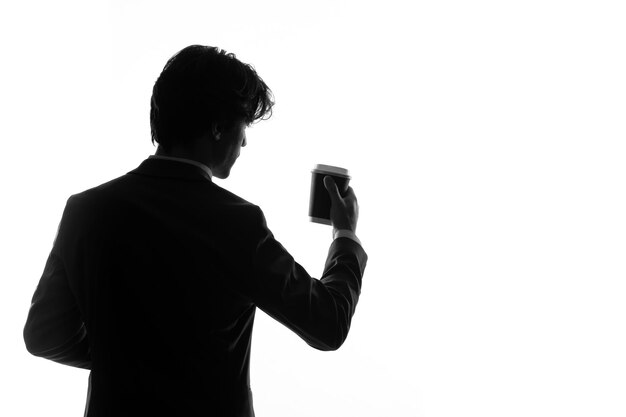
[216, 131]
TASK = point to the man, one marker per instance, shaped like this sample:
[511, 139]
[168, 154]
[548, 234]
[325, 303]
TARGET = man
[154, 277]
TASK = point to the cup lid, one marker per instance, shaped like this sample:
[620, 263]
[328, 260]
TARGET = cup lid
[329, 169]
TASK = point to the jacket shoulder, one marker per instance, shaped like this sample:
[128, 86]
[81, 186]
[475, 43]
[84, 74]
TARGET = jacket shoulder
[130, 187]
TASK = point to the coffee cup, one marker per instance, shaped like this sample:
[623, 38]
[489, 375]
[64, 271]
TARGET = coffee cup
[319, 200]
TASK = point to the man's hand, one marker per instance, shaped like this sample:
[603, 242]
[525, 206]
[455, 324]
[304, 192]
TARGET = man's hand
[344, 211]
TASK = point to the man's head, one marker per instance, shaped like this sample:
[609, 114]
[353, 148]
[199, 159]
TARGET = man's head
[205, 93]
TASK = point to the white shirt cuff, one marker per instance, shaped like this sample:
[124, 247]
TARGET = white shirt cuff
[345, 233]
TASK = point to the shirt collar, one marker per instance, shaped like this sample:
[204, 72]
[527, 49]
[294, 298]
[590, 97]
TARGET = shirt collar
[187, 161]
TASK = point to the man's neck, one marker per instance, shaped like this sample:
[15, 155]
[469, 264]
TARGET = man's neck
[183, 154]
[177, 152]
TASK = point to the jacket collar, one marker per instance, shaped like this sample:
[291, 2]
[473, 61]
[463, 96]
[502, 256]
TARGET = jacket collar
[167, 168]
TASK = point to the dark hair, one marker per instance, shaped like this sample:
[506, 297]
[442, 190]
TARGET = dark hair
[201, 86]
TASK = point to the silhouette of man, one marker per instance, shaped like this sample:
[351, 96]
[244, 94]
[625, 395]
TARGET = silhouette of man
[154, 277]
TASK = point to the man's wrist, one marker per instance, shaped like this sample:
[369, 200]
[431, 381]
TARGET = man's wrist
[337, 233]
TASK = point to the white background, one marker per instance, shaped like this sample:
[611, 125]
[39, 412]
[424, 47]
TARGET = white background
[486, 140]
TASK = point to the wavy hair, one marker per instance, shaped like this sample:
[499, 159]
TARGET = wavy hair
[201, 86]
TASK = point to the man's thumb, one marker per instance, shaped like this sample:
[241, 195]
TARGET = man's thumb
[331, 186]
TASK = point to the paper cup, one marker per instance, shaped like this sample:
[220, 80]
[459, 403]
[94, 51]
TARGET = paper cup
[319, 201]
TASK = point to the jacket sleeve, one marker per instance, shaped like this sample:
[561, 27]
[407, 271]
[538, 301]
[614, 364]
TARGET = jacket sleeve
[319, 311]
[54, 329]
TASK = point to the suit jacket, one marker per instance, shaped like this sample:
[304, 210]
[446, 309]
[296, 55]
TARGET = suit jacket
[152, 284]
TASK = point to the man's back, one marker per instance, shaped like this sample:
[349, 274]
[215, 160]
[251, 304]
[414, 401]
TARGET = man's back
[166, 270]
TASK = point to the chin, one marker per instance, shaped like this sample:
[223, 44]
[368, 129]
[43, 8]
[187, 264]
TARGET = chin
[222, 175]
[223, 171]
